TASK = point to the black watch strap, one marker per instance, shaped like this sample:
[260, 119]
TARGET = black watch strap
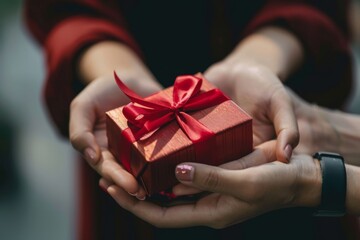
[333, 185]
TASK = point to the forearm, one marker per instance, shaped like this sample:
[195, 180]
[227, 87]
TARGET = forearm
[103, 58]
[272, 47]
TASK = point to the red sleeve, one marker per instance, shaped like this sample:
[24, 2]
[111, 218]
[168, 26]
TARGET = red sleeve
[64, 28]
[322, 29]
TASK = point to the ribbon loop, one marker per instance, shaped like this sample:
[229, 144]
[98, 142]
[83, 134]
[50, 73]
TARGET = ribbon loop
[185, 87]
[148, 115]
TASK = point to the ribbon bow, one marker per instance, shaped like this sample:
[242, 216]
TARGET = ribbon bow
[148, 115]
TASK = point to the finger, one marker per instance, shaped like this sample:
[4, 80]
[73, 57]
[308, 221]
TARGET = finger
[109, 169]
[105, 184]
[147, 211]
[209, 178]
[181, 190]
[187, 215]
[82, 120]
[262, 154]
[285, 123]
[221, 180]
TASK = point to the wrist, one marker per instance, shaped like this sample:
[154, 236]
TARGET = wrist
[326, 135]
[275, 48]
[352, 193]
[308, 182]
[101, 59]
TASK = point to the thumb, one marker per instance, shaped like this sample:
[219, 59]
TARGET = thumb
[206, 178]
[86, 144]
[82, 120]
[285, 123]
[227, 177]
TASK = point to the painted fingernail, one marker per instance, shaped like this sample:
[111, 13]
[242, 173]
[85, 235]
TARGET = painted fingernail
[184, 172]
[141, 198]
[90, 156]
[133, 194]
[288, 151]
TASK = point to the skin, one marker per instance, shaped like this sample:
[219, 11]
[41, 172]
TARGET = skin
[253, 185]
[236, 194]
[251, 75]
[87, 114]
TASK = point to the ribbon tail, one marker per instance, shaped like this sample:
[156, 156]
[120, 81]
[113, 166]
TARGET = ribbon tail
[201, 136]
[195, 130]
[153, 125]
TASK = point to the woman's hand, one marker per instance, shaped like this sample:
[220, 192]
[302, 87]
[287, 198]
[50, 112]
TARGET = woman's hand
[235, 195]
[88, 130]
[87, 112]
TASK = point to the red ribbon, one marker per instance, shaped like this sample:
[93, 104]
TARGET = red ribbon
[149, 115]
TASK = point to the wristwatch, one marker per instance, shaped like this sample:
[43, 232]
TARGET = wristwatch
[333, 185]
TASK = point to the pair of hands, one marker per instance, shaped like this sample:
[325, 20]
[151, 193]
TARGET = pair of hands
[259, 92]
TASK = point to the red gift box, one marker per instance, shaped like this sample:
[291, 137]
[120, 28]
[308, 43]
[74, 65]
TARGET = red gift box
[189, 122]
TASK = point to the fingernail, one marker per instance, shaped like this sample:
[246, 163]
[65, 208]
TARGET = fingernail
[133, 194]
[141, 198]
[90, 155]
[184, 172]
[288, 151]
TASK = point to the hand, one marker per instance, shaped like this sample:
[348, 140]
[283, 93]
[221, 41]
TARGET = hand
[262, 95]
[251, 76]
[88, 130]
[236, 195]
[316, 131]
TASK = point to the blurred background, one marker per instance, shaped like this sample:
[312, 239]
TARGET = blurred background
[37, 168]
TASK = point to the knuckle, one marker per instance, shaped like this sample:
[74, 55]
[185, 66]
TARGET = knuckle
[243, 164]
[218, 69]
[212, 179]
[75, 138]
[217, 72]
[237, 70]
[294, 135]
[104, 169]
[74, 103]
